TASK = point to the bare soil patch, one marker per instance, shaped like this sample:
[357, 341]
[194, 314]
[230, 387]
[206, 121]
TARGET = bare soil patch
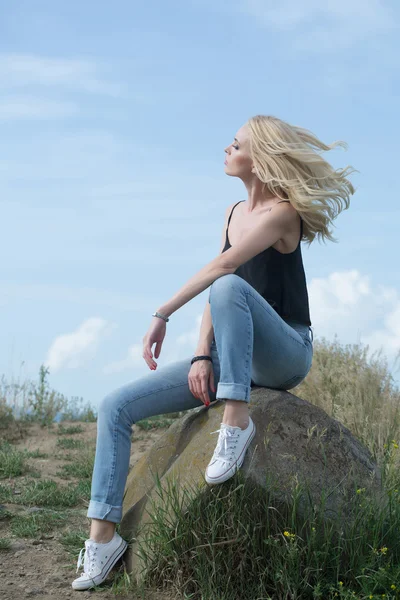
[40, 566]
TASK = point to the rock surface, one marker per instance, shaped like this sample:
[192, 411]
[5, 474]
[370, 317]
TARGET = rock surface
[295, 441]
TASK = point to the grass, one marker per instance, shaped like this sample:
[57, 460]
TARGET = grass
[4, 513]
[36, 454]
[231, 541]
[12, 461]
[36, 524]
[5, 544]
[237, 541]
[81, 468]
[46, 493]
[70, 443]
[74, 540]
[71, 430]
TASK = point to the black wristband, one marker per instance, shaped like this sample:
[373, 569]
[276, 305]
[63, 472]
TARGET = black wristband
[200, 358]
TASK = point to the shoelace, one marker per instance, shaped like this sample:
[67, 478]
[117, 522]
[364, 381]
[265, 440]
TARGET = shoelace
[85, 559]
[225, 450]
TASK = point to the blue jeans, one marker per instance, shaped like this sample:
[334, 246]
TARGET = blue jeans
[252, 345]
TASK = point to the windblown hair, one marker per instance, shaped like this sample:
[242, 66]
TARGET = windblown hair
[287, 161]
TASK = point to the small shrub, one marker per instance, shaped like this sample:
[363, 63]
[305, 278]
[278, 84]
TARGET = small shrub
[44, 402]
[76, 411]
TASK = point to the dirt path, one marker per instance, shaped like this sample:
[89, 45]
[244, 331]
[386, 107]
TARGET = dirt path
[40, 566]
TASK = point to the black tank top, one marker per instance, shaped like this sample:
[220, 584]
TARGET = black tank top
[279, 278]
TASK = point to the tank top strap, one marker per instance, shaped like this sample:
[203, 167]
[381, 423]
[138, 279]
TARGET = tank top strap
[233, 208]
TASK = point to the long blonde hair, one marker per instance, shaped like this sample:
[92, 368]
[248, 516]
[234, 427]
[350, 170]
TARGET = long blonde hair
[286, 160]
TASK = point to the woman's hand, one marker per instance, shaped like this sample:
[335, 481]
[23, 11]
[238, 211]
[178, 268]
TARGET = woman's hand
[155, 335]
[200, 374]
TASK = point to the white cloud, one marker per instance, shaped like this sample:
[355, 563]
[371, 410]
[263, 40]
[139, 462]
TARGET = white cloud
[337, 295]
[191, 337]
[347, 304]
[171, 351]
[132, 360]
[73, 350]
[389, 336]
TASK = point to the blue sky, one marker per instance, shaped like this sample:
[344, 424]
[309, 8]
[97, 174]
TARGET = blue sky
[114, 118]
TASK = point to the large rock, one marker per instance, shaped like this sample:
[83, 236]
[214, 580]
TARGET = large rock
[295, 441]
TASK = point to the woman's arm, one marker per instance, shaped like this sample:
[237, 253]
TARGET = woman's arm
[196, 284]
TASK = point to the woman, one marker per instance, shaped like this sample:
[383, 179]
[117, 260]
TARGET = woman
[256, 323]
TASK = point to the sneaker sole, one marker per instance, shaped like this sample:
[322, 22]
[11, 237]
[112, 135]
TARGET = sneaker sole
[98, 579]
[231, 471]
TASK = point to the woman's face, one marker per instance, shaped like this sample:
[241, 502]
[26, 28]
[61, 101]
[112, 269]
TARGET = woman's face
[238, 161]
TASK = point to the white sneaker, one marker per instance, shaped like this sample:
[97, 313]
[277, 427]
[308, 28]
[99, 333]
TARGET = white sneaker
[229, 454]
[98, 560]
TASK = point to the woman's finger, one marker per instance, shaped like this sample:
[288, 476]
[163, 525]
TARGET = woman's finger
[204, 391]
[199, 393]
[147, 355]
[196, 389]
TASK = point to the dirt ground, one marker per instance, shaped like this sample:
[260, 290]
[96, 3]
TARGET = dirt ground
[41, 567]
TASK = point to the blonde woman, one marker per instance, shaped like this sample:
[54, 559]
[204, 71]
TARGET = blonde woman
[256, 323]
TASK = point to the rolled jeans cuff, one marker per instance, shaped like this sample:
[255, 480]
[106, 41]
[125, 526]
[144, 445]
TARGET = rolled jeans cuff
[105, 512]
[233, 391]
